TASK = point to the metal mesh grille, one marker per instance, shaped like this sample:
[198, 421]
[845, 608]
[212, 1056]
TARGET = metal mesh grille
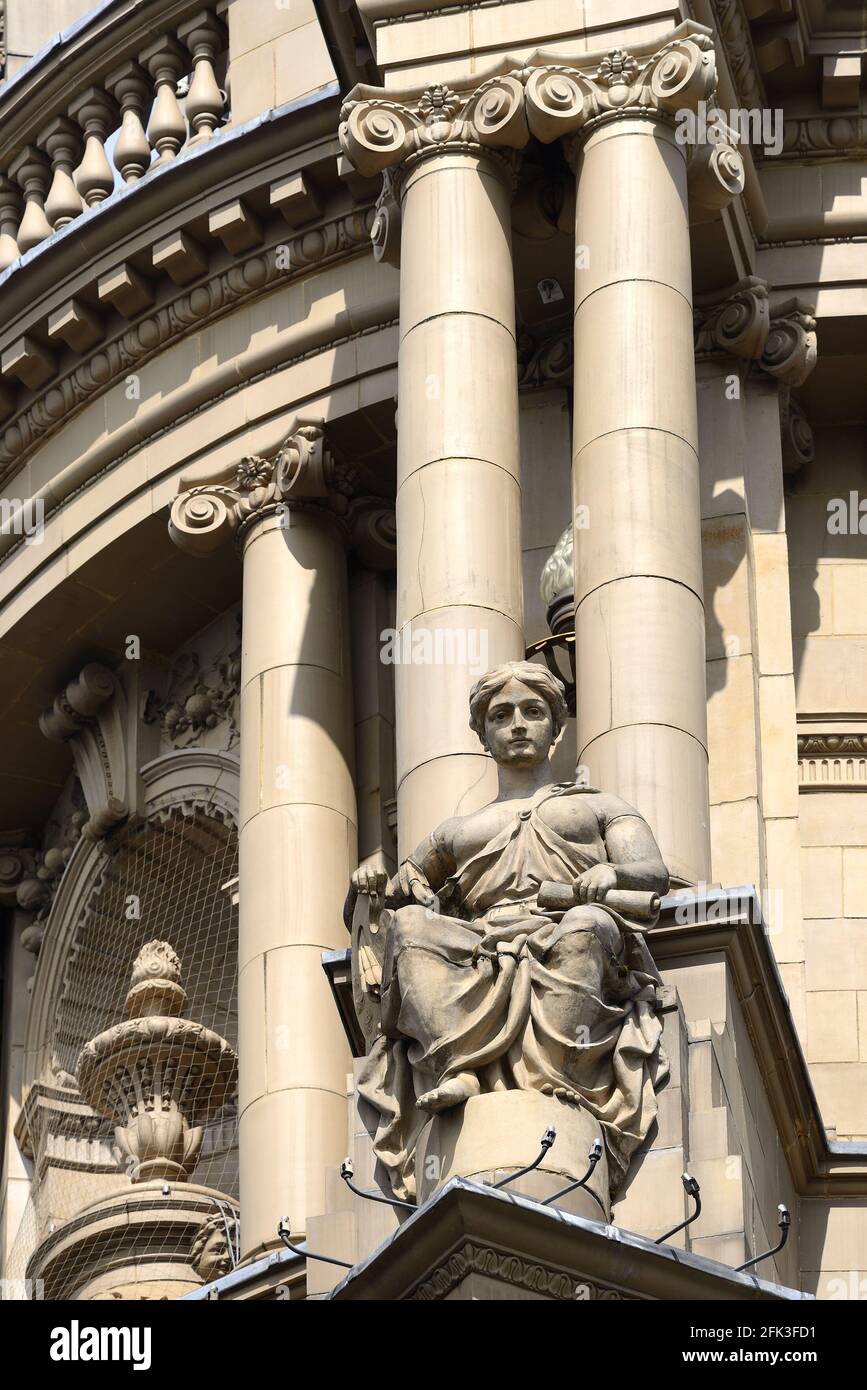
[162, 879]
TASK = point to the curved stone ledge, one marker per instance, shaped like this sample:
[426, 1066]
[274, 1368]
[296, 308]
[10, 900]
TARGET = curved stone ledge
[92, 520]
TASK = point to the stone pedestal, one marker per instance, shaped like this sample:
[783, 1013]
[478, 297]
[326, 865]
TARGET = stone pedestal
[496, 1134]
[151, 1241]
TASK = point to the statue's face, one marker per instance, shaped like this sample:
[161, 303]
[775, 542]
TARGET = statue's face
[518, 726]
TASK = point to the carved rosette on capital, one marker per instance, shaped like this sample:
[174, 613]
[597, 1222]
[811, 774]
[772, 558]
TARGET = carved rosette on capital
[380, 132]
[205, 516]
[740, 321]
[548, 98]
[302, 473]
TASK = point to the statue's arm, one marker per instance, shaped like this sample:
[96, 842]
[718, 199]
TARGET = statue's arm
[418, 877]
[425, 871]
[631, 848]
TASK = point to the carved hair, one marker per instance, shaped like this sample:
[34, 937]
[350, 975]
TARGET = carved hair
[536, 678]
[220, 1258]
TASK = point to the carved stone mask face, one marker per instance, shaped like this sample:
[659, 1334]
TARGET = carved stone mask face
[519, 729]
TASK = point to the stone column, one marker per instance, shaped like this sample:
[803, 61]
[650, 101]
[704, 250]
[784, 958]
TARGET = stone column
[297, 821]
[639, 620]
[459, 595]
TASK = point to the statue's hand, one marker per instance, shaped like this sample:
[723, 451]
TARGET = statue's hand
[373, 882]
[365, 881]
[409, 885]
[594, 883]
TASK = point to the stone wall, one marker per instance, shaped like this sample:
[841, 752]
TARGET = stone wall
[829, 628]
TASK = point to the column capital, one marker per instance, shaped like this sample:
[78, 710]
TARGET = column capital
[562, 99]
[739, 320]
[301, 472]
[546, 96]
[380, 130]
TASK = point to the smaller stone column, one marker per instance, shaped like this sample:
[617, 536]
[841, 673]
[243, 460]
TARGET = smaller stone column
[297, 817]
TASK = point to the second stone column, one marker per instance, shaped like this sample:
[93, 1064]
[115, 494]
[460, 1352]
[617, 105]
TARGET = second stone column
[459, 591]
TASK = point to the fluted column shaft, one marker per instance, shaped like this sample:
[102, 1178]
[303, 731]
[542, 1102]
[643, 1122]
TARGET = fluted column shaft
[641, 708]
[458, 486]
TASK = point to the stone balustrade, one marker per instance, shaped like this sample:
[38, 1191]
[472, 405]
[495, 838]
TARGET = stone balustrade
[145, 88]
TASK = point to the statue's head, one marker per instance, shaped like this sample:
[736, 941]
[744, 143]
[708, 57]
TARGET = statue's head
[518, 711]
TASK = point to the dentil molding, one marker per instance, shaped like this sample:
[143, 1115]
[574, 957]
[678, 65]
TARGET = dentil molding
[158, 329]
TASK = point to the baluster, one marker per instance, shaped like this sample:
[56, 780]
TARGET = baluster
[10, 216]
[32, 172]
[62, 139]
[166, 60]
[132, 153]
[204, 36]
[97, 114]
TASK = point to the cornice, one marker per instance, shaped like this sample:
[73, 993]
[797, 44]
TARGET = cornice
[466, 1227]
[832, 754]
[264, 161]
[304, 342]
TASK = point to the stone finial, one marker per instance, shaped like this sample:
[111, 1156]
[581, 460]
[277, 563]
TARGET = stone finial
[157, 1075]
[156, 982]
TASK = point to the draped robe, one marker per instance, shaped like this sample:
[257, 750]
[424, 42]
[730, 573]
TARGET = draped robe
[525, 998]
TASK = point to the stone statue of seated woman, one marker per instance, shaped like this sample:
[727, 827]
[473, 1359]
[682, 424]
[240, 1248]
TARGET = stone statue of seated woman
[507, 954]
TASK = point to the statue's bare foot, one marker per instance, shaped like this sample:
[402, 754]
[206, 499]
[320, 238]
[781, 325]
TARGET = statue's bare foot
[453, 1092]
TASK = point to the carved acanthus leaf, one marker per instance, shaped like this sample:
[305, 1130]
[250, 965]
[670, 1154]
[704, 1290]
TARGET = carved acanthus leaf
[198, 700]
[504, 1267]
